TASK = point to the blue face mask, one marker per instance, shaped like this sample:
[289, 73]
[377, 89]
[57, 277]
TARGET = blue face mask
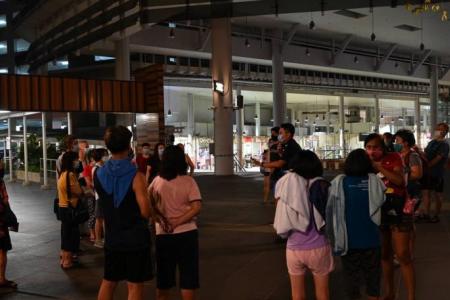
[398, 147]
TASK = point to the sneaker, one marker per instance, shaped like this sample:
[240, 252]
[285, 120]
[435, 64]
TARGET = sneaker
[99, 244]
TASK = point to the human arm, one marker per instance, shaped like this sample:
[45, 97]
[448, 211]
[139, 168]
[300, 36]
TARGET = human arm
[278, 164]
[191, 165]
[147, 174]
[194, 210]
[395, 176]
[139, 188]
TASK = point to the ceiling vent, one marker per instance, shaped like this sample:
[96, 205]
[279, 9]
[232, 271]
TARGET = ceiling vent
[407, 27]
[350, 14]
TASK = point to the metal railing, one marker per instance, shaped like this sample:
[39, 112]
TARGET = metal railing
[51, 168]
[238, 167]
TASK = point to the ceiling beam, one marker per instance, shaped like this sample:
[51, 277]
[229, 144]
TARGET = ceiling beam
[388, 54]
[205, 41]
[420, 62]
[344, 46]
[444, 72]
[290, 35]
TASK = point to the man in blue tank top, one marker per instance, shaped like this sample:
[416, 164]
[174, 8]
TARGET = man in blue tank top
[123, 197]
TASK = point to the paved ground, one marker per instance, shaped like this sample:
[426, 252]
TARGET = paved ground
[239, 259]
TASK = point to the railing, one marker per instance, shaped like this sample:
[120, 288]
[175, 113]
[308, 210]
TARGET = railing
[51, 168]
[238, 167]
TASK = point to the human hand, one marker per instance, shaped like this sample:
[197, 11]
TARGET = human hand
[256, 162]
[175, 222]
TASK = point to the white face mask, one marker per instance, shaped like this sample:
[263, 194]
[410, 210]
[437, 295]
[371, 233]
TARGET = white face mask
[280, 138]
[105, 159]
[160, 152]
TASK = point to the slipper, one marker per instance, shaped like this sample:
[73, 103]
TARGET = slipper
[8, 284]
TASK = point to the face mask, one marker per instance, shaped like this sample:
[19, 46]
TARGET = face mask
[76, 165]
[160, 152]
[105, 159]
[146, 151]
[280, 138]
[398, 147]
[375, 154]
[437, 134]
[75, 148]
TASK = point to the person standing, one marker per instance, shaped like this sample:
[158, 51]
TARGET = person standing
[303, 193]
[388, 140]
[70, 143]
[143, 158]
[100, 157]
[176, 202]
[122, 195]
[154, 164]
[69, 192]
[189, 162]
[396, 226]
[355, 204]
[437, 152]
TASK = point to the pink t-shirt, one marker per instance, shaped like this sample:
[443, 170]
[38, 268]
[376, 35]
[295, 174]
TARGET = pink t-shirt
[176, 196]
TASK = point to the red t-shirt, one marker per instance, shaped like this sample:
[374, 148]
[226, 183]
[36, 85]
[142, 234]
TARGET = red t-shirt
[87, 171]
[142, 163]
[391, 161]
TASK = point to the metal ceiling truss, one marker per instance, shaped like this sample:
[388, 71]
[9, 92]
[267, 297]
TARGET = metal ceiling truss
[386, 57]
[424, 57]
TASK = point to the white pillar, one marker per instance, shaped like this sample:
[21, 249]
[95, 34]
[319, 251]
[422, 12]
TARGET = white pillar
[258, 119]
[190, 122]
[239, 129]
[293, 116]
[11, 175]
[342, 126]
[69, 123]
[44, 150]
[434, 93]
[377, 114]
[279, 95]
[25, 150]
[122, 66]
[223, 103]
[418, 118]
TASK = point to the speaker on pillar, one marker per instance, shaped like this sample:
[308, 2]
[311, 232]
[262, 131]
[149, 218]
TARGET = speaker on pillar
[240, 102]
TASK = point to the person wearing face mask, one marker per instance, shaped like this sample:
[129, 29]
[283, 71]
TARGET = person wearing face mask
[100, 157]
[70, 144]
[143, 158]
[436, 153]
[388, 140]
[154, 164]
[288, 149]
[396, 226]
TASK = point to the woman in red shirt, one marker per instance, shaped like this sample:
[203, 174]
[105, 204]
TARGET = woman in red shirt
[396, 226]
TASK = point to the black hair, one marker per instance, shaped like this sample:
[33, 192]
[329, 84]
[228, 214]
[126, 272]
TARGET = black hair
[97, 154]
[145, 145]
[118, 139]
[307, 164]
[288, 127]
[173, 163]
[276, 129]
[155, 151]
[68, 142]
[67, 161]
[407, 136]
[374, 136]
[358, 163]
[388, 135]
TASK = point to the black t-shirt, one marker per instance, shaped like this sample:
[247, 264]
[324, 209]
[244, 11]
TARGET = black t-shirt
[290, 150]
[155, 165]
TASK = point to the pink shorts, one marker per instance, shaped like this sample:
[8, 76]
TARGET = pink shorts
[320, 261]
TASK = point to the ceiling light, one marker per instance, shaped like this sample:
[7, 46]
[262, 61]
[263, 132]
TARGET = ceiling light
[382, 116]
[169, 113]
[306, 118]
[247, 43]
[312, 25]
[355, 59]
[422, 46]
[255, 117]
[2, 46]
[307, 52]
[396, 65]
[172, 33]
[373, 37]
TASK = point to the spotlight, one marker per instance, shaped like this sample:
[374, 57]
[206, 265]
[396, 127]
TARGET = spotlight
[307, 52]
[422, 46]
[373, 37]
[356, 60]
[169, 113]
[255, 117]
[172, 33]
[247, 43]
[396, 65]
[381, 116]
[312, 25]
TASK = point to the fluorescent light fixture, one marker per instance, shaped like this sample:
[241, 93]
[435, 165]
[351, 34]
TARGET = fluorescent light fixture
[3, 71]
[64, 62]
[172, 59]
[218, 87]
[4, 111]
[2, 22]
[2, 46]
[103, 58]
[172, 25]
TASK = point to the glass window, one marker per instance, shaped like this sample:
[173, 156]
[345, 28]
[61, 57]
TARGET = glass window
[2, 21]
[396, 114]
[22, 70]
[21, 45]
[3, 47]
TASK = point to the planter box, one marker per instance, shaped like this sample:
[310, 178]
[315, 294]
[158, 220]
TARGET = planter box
[32, 176]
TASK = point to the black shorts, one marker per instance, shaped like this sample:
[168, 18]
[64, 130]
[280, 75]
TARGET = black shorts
[132, 266]
[434, 184]
[362, 264]
[392, 215]
[180, 250]
[5, 241]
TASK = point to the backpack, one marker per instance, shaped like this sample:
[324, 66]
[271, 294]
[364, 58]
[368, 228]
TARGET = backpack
[425, 169]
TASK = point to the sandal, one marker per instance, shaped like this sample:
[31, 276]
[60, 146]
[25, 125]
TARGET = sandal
[8, 284]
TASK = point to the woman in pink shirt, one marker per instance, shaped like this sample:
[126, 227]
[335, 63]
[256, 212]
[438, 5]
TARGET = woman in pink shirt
[176, 201]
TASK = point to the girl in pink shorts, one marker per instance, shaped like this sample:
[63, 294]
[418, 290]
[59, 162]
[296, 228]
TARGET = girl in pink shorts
[302, 195]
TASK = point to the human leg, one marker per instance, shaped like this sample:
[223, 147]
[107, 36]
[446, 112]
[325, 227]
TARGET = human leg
[107, 289]
[371, 267]
[351, 265]
[321, 287]
[387, 264]
[266, 188]
[135, 291]
[401, 242]
[298, 289]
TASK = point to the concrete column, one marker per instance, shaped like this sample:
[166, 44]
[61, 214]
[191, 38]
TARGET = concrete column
[279, 95]
[377, 114]
[418, 125]
[69, 123]
[122, 67]
[342, 126]
[25, 149]
[293, 116]
[239, 129]
[258, 120]
[434, 93]
[223, 103]
[44, 150]
[190, 122]
[11, 175]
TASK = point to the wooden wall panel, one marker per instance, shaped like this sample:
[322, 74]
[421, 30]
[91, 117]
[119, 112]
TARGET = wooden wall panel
[45, 94]
[56, 103]
[24, 92]
[84, 105]
[12, 86]
[106, 95]
[117, 96]
[71, 94]
[4, 98]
